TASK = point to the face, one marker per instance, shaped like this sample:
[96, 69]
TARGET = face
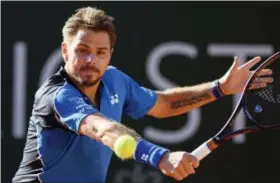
[87, 56]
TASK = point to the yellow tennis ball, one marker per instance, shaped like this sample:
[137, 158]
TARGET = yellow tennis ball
[124, 146]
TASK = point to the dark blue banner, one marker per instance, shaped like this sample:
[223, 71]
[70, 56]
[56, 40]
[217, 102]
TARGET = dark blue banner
[161, 45]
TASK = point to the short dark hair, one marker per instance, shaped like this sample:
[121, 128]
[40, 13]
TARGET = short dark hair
[90, 18]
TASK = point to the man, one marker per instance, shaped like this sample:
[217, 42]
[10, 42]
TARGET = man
[77, 112]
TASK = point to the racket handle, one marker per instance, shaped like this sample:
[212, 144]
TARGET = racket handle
[204, 149]
[201, 152]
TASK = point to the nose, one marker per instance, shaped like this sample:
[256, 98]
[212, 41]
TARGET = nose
[89, 58]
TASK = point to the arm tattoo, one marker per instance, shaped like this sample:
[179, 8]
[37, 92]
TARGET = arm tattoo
[125, 130]
[189, 100]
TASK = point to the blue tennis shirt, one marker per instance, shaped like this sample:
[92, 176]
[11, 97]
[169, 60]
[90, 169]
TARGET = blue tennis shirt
[54, 150]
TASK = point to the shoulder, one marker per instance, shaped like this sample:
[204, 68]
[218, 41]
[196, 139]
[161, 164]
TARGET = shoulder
[54, 87]
[114, 74]
[68, 98]
[67, 92]
[45, 95]
[48, 89]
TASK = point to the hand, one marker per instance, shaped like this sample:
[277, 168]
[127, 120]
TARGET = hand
[236, 77]
[178, 165]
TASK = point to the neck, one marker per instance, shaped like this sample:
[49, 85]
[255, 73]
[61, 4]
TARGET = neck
[90, 92]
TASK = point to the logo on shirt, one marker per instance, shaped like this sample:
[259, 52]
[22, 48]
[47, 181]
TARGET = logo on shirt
[114, 99]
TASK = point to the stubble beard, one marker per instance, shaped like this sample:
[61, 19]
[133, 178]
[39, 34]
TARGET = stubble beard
[88, 83]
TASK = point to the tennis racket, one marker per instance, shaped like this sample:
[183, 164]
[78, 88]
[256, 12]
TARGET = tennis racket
[261, 107]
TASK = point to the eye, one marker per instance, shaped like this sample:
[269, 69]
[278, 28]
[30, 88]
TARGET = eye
[82, 50]
[101, 53]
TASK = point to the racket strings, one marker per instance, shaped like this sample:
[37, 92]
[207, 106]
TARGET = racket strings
[267, 94]
[263, 105]
[270, 102]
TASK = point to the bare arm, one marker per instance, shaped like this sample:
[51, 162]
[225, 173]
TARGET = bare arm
[174, 164]
[180, 100]
[104, 130]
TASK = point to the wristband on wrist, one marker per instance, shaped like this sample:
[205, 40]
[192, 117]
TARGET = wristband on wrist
[216, 90]
[148, 153]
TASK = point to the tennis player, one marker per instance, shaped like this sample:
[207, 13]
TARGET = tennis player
[77, 111]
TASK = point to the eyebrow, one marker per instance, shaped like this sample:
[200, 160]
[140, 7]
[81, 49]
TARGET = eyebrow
[100, 48]
[81, 44]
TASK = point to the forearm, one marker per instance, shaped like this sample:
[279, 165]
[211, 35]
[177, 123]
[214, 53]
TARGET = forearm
[183, 99]
[100, 128]
[104, 130]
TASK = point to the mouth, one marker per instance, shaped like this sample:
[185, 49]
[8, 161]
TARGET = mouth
[89, 70]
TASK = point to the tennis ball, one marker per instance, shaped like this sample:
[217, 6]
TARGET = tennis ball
[124, 146]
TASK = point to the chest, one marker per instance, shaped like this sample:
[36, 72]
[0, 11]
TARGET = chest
[111, 101]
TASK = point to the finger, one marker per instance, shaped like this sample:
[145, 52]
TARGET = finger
[177, 176]
[257, 85]
[251, 62]
[260, 82]
[168, 170]
[265, 72]
[235, 63]
[182, 171]
[263, 80]
[192, 160]
[188, 167]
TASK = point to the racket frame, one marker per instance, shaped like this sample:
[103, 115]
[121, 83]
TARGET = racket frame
[211, 144]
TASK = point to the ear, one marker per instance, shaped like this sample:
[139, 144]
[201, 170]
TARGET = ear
[64, 51]
[112, 50]
[111, 54]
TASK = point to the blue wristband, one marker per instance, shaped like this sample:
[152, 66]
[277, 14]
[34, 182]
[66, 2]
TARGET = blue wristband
[149, 153]
[216, 90]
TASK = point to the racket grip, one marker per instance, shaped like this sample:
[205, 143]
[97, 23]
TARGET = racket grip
[202, 151]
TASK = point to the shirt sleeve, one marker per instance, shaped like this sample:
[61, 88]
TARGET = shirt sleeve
[139, 100]
[71, 108]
